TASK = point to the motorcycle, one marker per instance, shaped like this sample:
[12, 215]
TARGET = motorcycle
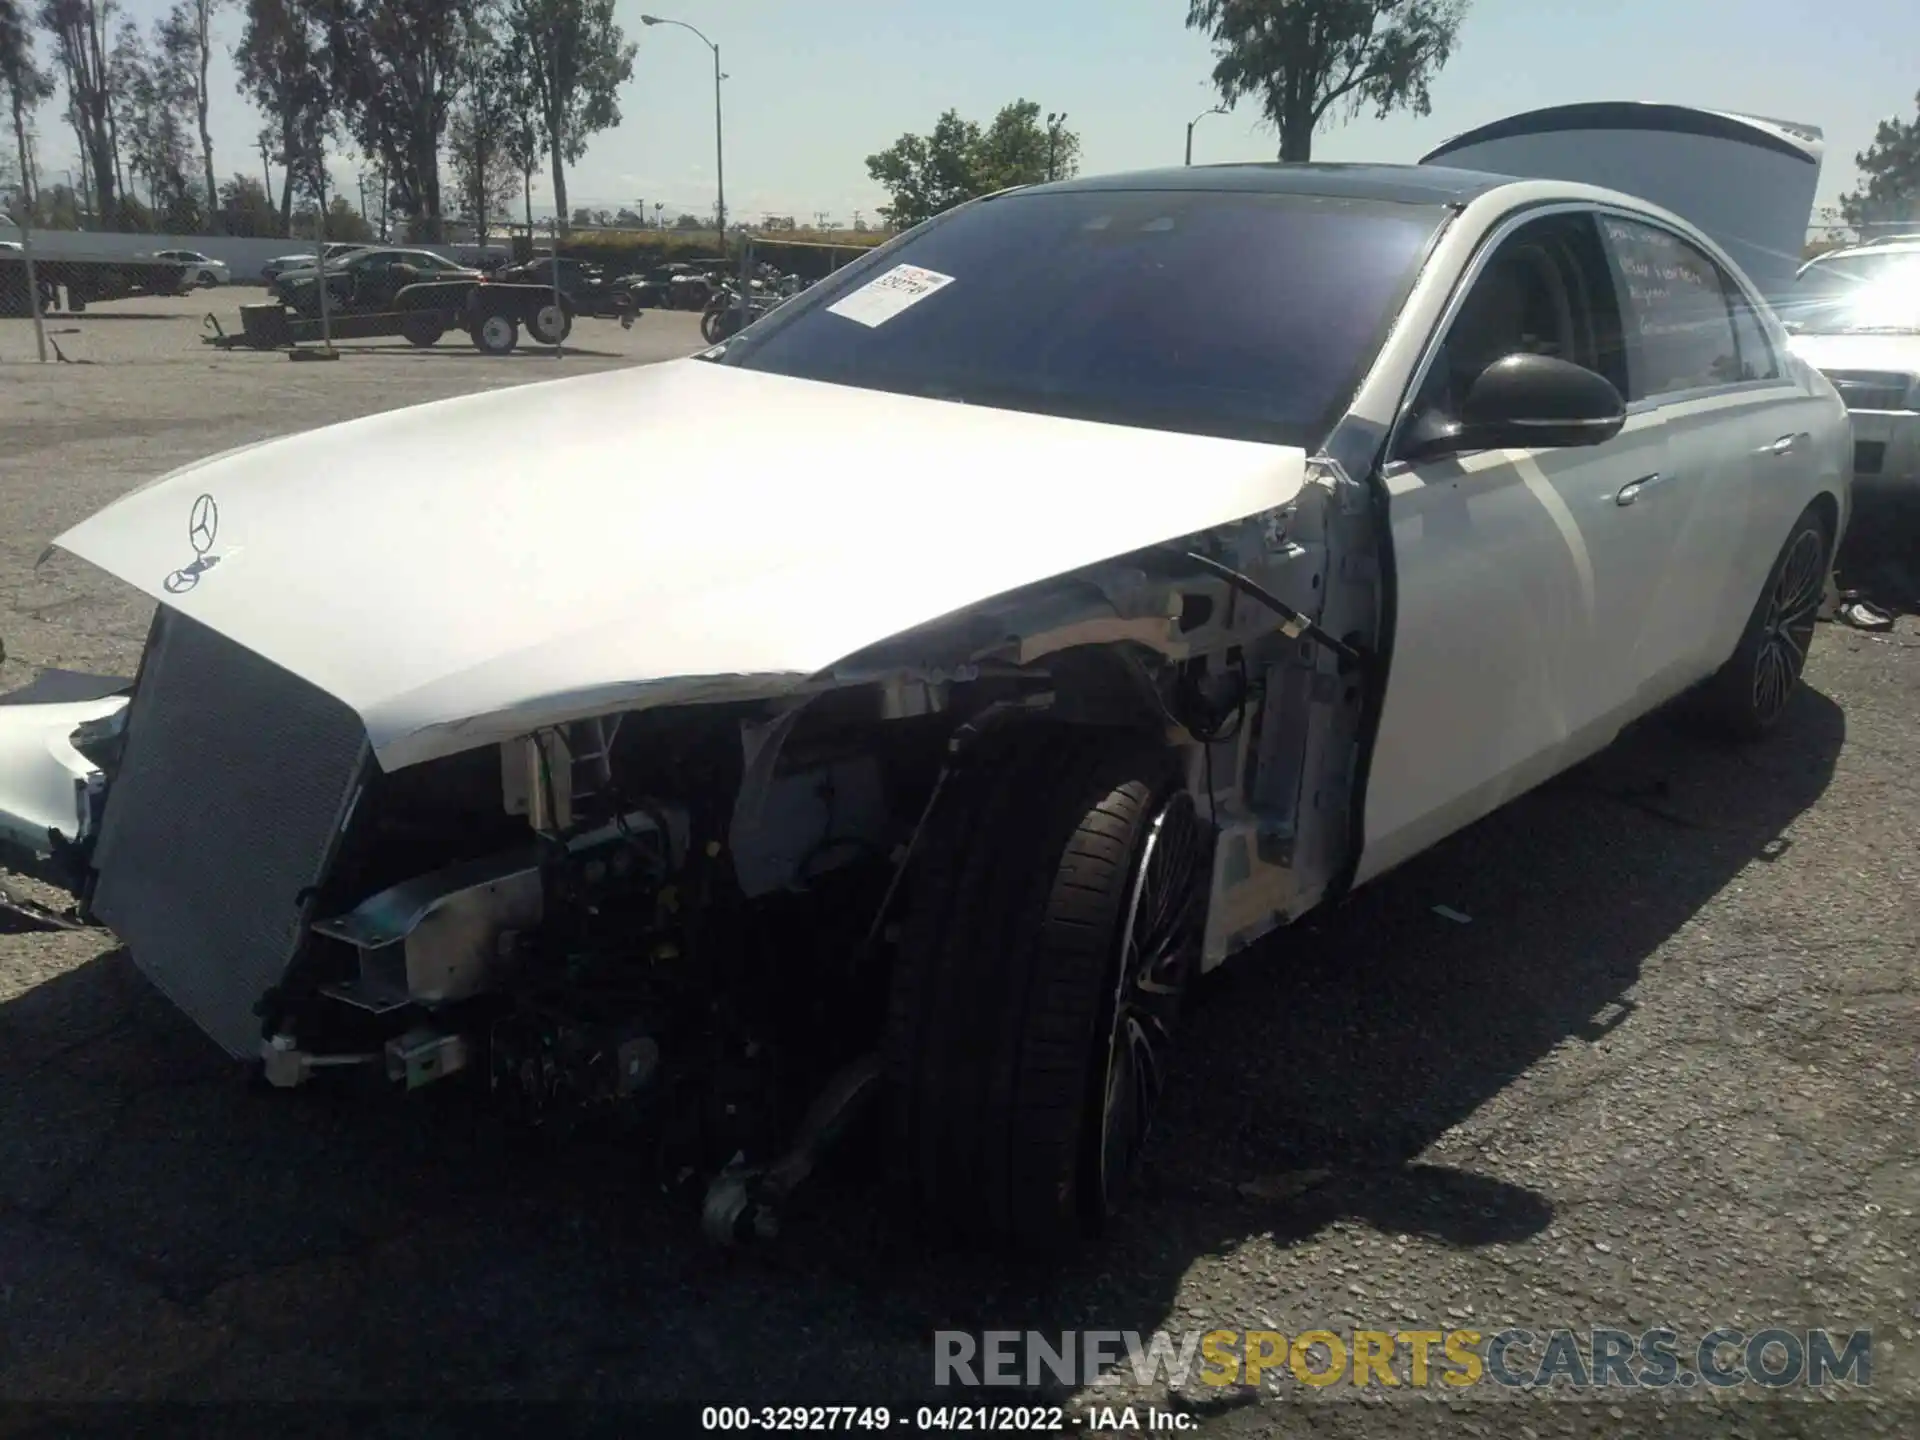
[726, 315]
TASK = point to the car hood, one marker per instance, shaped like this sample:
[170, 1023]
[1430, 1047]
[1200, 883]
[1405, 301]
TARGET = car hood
[461, 572]
[1859, 352]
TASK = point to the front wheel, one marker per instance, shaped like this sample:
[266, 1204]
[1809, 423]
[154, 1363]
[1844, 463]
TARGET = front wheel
[1746, 698]
[208, 279]
[1056, 918]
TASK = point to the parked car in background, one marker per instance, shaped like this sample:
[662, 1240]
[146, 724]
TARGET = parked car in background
[202, 270]
[367, 279]
[303, 260]
[1855, 314]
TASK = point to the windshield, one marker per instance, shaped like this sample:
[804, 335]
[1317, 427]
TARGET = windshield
[1228, 313]
[1857, 292]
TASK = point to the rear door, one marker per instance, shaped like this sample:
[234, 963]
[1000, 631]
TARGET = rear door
[1698, 352]
[1520, 577]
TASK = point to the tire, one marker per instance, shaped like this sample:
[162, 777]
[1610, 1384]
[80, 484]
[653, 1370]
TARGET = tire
[1022, 1064]
[423, 331]
[208, 280]
[548, 319]
[1745, 699]
[496, 334]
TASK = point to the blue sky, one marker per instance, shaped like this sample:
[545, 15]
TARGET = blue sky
[816, 87]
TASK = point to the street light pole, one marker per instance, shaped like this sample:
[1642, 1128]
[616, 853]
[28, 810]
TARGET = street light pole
[1217, 110]
[719, 152]
[1054, 122]
[719, 134]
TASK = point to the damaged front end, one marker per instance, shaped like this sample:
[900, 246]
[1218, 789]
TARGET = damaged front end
[684, 912]
[659, 873]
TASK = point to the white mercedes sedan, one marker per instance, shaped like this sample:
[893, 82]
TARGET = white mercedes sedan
[202, 270]
[902, 701]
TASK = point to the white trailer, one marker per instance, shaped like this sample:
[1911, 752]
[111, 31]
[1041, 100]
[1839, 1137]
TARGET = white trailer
[1747, 181]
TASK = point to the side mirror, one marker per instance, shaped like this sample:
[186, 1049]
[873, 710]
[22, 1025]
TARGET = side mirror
[1528, 402]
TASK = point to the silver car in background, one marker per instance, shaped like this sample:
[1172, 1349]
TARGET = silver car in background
[1855, 315]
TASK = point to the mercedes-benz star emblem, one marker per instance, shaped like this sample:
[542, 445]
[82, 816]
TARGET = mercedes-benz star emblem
[203, 528]
[203, 525]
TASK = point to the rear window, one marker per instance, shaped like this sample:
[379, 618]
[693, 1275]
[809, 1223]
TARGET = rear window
[1248, 315]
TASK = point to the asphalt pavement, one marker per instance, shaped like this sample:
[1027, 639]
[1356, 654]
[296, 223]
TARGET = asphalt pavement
[1638, 1050]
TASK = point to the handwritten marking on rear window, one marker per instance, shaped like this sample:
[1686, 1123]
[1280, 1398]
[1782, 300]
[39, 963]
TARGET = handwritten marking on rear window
[884, 297]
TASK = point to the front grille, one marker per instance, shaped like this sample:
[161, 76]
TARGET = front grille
[1872, 389]
[226, 810]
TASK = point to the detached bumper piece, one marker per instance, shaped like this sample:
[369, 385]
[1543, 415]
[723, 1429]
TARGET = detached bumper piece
[234, 785]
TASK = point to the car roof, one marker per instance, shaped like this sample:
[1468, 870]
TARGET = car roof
[1405, 184]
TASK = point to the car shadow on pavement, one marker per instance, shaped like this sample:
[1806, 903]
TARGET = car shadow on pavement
[170, 1230]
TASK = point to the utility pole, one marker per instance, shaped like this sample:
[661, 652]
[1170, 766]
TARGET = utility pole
[266, 167]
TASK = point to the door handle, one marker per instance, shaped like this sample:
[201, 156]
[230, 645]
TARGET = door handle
[1630, 492]
[1785, 444]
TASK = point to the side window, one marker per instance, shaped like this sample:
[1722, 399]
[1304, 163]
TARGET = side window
[1757, 360]
[1677, 314]
[1545, 291]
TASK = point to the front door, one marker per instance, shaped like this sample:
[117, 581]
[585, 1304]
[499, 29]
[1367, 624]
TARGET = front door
[1520, 575]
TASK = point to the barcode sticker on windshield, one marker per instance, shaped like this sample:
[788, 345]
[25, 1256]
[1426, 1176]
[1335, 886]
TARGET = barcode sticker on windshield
[879, 300]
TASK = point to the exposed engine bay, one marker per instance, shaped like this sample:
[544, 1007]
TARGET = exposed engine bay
[688, 917]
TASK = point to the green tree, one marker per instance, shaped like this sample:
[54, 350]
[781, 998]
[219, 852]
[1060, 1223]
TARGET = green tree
[1890, 175]
[343, 223]
[185, 38]
[958, 161]
[925, 174]
[525, 145]
[246, 209]
[283, 67]
[1017, 149]
[394, 69]
[79, 30]
[1308, 60]
[577, 59]
[23, 85]
[480, 133]
[154, 115]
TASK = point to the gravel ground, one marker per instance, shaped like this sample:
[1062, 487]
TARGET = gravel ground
[1665, 1072]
